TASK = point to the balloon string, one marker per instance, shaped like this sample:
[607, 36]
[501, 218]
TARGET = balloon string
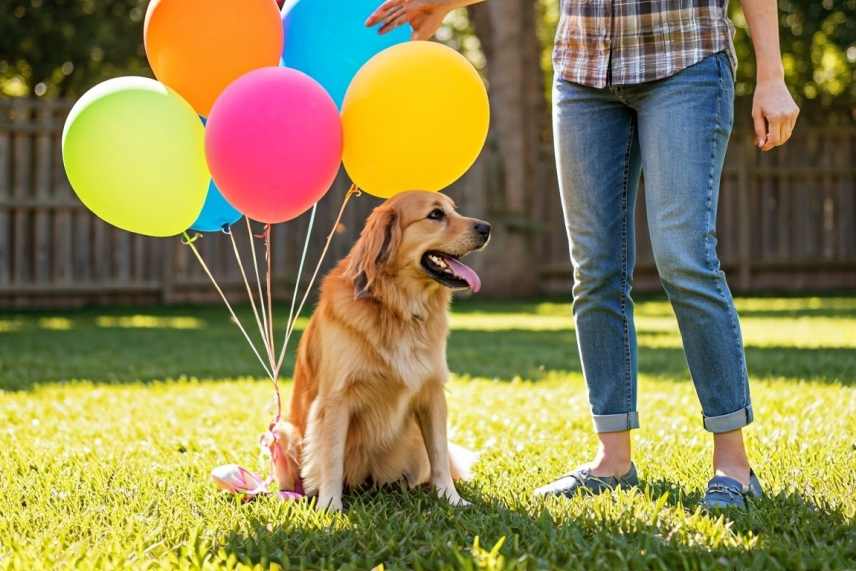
[247, 285]
[353, 191]
[190, 243]
[268, 257]
[271, 346]
[300, 269]
[251, 238]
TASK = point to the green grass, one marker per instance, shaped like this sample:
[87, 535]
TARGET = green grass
[111, 420]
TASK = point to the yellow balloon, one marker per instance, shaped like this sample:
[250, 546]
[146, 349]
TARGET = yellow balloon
[415, 116]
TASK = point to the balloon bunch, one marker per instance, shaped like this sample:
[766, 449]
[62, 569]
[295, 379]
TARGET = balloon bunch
[252, 114]
[413, 115]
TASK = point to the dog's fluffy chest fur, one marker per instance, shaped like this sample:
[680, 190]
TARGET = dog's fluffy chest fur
[393, 345]
[412, 355]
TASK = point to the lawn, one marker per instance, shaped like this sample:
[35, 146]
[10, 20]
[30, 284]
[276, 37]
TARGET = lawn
[111, 420]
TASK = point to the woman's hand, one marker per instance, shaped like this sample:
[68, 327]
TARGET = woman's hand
[773, 109]
[424, 16]
[774, 113]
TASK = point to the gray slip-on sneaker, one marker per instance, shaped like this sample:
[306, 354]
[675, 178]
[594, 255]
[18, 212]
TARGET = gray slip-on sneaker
[724, 492]
[582, 479]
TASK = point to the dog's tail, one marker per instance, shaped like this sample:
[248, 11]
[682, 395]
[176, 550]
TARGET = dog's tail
[461, 462]
[286, 456]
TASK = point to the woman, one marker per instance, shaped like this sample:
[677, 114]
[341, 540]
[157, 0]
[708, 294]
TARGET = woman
[648, 85]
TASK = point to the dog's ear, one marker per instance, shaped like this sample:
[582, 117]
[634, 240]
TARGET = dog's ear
[377, 243]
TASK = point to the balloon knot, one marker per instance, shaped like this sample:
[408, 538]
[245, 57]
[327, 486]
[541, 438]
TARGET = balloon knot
[187, 240]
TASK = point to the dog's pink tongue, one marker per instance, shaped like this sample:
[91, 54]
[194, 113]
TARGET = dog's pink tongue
[466, 273]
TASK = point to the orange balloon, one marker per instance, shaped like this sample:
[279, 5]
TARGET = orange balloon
[198, 47]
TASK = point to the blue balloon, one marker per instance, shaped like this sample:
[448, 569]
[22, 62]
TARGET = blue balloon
[328, 40]
[217, 213]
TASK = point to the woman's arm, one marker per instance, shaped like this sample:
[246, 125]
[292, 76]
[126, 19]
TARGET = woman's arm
[425, 16]
[773, 109]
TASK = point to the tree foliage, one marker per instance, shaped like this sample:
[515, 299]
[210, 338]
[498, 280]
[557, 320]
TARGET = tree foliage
[818, 40]
[62, 47]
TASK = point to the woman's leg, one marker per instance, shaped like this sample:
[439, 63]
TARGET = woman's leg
[684, 125]
[597, 156]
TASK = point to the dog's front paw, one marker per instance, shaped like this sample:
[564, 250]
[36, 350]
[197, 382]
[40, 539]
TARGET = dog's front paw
[329, 504]
[451, 495]
[459, 502]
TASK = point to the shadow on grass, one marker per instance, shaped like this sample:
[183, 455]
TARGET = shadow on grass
[531, 354]
[776, 306]
[126, 347]
[786, 524]
[413, 530]
[830, 312]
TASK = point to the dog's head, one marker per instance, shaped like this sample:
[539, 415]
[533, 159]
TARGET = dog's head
[418, 234]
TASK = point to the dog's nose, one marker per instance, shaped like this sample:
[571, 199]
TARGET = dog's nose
[482, 229]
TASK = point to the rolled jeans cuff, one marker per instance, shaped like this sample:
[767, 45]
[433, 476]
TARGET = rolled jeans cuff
[616, 422]
[730, 421]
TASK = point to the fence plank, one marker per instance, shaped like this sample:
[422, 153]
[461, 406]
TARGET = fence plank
[121, 255]
[43, 171]
[83, 258]
[744, 197]
[5, 226]
[828, 208]
[810, 220]
[785, 199]
[847, 203]
[728, 226]
[21, 190]
[63, 229]
[168, 269]
[138, 268]
[101, 251]
[767, 190]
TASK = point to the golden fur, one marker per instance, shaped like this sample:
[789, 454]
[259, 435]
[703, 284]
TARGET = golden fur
[368, 402]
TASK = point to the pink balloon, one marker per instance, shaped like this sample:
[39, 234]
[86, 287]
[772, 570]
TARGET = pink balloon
[274, 143]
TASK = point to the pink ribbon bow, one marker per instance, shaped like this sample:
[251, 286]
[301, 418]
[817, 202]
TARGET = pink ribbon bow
[238, 480]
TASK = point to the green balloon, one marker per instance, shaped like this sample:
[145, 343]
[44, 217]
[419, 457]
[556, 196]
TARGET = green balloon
[134, 152]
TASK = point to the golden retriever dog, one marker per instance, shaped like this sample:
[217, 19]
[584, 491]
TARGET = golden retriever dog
[368, 403]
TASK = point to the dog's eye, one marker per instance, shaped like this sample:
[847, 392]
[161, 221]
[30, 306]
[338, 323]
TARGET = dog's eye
[436, 214]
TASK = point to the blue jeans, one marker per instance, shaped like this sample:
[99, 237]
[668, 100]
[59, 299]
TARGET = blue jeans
[676, 130]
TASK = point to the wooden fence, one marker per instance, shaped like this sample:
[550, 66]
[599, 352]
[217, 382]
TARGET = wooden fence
[787, 220]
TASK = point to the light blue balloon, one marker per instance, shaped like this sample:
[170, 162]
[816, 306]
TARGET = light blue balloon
[328, 40]
[217, 214]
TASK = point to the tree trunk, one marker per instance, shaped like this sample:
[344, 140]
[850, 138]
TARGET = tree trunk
[521, 132]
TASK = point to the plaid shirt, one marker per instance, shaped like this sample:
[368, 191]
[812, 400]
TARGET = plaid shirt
[621, 42]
